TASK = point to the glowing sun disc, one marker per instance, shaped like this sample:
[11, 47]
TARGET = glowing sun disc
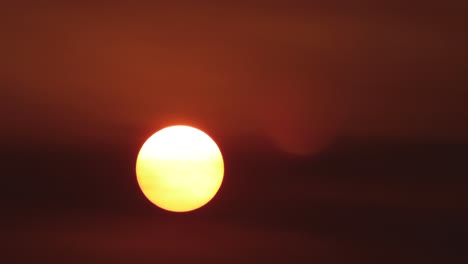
[179, 168]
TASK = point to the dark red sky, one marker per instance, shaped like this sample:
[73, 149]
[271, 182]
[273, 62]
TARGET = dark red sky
[298, 73]
[372, 95]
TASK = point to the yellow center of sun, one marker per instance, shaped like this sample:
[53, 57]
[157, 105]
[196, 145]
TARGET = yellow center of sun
[179, 168]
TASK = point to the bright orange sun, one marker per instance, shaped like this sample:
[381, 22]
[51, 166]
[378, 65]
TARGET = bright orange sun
[180, 168]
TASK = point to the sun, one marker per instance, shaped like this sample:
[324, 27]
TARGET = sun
[180, 168]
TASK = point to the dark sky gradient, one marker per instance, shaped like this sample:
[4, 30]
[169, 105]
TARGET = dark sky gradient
[343, 127]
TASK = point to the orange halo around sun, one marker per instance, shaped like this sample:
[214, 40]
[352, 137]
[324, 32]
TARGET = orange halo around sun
[180, 168]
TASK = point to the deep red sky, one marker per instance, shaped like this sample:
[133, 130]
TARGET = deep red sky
[299, 74]
[83, 85]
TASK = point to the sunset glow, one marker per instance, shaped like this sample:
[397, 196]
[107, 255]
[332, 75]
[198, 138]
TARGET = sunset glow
[180, 168]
